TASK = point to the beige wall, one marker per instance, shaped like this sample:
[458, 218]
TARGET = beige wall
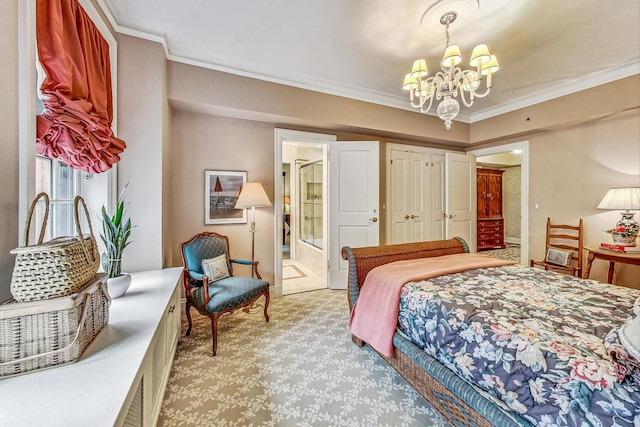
[235, 96]
[581, 107]
[203, 142]
[571, 170]
[143, 119]
[8, 141]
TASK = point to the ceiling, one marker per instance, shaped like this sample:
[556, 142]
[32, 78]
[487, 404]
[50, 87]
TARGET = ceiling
[362, 49]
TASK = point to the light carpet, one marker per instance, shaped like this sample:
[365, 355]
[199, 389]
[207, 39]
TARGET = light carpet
[300, 369]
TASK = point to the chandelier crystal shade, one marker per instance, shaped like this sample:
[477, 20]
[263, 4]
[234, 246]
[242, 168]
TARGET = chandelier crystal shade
[451, 81]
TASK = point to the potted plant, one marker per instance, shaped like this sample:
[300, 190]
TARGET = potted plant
[115, 235]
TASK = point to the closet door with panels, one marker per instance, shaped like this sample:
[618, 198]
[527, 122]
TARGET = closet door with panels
[407, 191]
[416, 194]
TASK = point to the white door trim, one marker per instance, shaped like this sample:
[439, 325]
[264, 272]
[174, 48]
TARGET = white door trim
[524, 189]
[280, 136]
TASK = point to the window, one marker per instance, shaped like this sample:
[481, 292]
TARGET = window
[62, 184]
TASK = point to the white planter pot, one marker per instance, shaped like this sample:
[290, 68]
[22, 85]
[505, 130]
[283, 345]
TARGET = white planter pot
[117, 286]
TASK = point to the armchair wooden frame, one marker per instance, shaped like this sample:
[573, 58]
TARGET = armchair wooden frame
[205, 284]
[567, 237]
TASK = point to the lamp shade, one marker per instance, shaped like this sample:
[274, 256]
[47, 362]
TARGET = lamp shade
[410, 82]
[480, 55]
[252, 196]
[419, 68]
[451, 57]
[621, 198]
[490, 67]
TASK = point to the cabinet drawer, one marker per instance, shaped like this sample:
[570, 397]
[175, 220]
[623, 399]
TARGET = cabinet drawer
[490, 229]
[490, 223]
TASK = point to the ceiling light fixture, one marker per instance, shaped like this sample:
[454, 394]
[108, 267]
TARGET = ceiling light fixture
[452, 79]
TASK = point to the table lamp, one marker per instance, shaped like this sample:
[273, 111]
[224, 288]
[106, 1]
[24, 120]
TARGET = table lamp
[623, 199]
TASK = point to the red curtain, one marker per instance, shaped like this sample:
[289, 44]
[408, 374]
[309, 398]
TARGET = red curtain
[75, 125]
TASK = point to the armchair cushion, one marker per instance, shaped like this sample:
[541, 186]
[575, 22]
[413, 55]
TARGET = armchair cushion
[215, 268]
[203, 248]
[229, 293]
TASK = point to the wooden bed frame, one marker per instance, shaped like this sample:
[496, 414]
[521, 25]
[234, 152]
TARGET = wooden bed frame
[454, 398]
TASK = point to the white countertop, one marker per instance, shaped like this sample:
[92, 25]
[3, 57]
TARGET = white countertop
[92, 391]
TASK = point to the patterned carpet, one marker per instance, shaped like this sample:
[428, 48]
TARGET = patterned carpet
[300, 369]
[510, 253]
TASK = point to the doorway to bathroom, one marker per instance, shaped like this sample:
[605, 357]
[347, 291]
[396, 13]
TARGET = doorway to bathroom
[304, 213]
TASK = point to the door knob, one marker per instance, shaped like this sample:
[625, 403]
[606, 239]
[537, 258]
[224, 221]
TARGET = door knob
[407, 217]
[374, 219]
[415, 216]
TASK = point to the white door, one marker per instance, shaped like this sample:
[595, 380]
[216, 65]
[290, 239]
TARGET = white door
[461, 199]
[353, 202]
[407, 195]
[437, 199]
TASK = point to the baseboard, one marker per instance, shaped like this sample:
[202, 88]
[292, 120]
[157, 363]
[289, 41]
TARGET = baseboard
[512, 240]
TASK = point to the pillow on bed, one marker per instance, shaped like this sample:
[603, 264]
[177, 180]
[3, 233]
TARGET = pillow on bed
[215, 268]
[623, 345]
[559, 257]
[630, 337]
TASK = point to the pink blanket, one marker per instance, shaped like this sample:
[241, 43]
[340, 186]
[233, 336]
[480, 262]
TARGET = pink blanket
[375, 315]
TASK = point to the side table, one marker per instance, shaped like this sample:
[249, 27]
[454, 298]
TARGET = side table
[612, 257]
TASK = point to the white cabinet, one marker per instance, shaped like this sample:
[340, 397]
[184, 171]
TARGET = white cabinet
[121, 378]
[163, 349]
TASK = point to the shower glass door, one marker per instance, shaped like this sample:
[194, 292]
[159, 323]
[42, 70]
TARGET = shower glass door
[311, 204]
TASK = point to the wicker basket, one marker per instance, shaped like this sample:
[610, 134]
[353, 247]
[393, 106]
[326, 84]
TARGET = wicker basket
[42, 334]
[58, 267]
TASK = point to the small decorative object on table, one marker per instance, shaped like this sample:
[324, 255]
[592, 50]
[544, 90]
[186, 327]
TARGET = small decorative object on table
[115, 236]
[623, 235]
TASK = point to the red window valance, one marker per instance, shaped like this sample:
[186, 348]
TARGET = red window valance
[75, 125]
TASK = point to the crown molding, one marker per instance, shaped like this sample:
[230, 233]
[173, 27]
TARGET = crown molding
[567, 86]
[564, 87]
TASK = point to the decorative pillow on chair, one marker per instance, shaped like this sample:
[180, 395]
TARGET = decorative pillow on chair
[559, 257]
[215, 268]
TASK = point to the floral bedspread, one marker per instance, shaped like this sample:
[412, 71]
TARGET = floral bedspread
[533, 339]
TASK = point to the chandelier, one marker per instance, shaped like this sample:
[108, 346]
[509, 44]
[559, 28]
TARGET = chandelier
[452, 80]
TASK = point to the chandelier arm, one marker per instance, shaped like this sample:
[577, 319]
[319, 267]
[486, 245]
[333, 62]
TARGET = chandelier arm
[464, 99]
[429, 107]
[482, 95]
[458, 77]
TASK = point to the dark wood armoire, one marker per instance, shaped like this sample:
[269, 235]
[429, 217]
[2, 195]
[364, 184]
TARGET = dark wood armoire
[490, 219]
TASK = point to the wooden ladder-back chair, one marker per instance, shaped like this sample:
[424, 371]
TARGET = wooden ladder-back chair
[210, 286]
[567, 241]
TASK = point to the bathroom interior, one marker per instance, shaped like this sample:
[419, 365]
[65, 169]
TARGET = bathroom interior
[304, 217]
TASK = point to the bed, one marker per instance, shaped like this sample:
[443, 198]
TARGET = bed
[502, 345]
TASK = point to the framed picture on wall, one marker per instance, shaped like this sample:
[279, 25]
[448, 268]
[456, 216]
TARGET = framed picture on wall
[221, 190]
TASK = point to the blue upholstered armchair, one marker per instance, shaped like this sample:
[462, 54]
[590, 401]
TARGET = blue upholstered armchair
[210, 286]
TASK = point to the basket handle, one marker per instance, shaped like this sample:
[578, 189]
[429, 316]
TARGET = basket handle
[76, 202]
[43, 228]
